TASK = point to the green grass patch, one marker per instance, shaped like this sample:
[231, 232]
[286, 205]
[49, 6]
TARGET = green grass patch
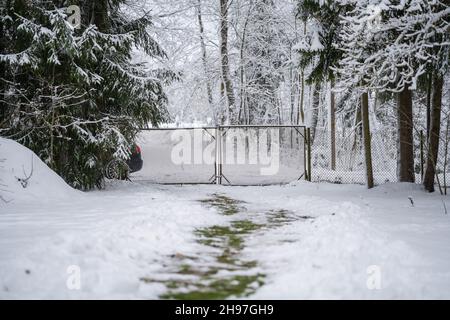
[203, 280]
[225, 205]
[216, 289]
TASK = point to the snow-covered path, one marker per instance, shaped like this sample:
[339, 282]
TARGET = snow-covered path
[296, 241]
[112, 236]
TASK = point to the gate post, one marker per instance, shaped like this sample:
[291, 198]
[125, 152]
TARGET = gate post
[305, 165]
[218, 154]
[421, 156]
[308, 134]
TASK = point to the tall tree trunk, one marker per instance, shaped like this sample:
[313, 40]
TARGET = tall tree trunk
[242, 82]
[204, 61]
[225, 60]
[357, 127]
[301, 112]
[291, 93]
[279, 105]
[333, 127]
[315, 111]
[366, 137]
[429, 90]
[435, 128]
[99, 15]
[405, 161]
[376, 102]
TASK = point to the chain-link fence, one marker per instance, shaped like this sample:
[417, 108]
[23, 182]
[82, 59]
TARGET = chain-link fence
[261, 155]
[442, 166]
[258, 155]
[349, 160]
[230, 155]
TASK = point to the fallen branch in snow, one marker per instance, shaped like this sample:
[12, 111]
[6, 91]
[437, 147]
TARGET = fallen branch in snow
[24, 181]
[411, 200]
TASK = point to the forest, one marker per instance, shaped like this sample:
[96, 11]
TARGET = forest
[224, 150]
[369, 78]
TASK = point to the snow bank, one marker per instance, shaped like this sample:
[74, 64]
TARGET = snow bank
[24, 177]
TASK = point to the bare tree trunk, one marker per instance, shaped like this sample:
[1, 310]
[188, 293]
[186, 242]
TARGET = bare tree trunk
[429, 90]
[99, 15]
[405, 162]
[301, 112]
[315, 111]
[205, 64]
[222, 113]
[279, 106]
[444, 169]
[225, 60]
[291, 93]
[333, 127]
[376, 102]
[357, 127]
[435, 128]
[241, 83]
[53, 92]
[242, 79]
[366, 137]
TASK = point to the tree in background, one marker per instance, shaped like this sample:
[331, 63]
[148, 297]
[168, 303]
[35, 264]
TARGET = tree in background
[74, 96]
[387, 48]
[320, 51]
[208, 86]
[435, 37]
[265, 55]
[230, 114]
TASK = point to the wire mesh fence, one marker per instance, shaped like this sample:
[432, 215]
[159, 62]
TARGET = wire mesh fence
[349, 157]
[260, 155]
[350, 162]
[177, 155]
[231, 155]
[442, 165]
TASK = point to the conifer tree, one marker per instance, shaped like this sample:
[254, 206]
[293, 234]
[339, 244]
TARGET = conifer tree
[74, 96]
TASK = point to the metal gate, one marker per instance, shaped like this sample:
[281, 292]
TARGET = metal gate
[229, 155]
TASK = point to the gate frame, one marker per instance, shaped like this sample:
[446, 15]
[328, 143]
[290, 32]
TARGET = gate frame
[221, 130]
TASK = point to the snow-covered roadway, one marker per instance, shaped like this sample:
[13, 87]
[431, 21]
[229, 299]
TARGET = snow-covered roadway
[145, 241]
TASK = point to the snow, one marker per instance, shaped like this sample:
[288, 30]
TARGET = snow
[132, 231]
[316, 45]
[18, 163]
[114, 239]
[355, 229]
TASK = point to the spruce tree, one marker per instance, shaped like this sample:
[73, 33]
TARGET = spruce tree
[74, 96]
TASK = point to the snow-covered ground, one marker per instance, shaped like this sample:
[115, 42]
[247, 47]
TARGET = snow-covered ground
[141, 241]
